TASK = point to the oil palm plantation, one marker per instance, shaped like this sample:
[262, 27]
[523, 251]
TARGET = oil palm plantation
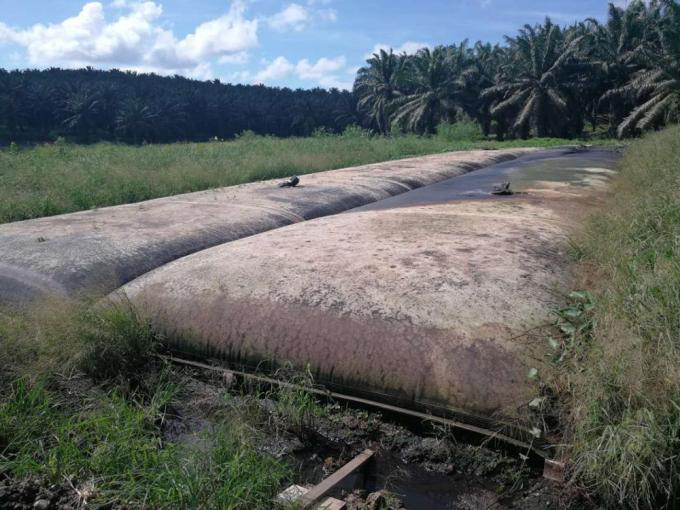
[434, 88]
[486, 61]
[80, 110]
[621, 76]
[134, 122]
[615, 47]
[533, 90]
[377, 85]
[655, 89]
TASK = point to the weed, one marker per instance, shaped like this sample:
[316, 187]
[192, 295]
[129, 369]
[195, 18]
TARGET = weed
[107, 440]
[463, 129]
[118, 344]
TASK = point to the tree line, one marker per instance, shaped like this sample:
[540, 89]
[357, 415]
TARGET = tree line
[617, 78]
[89, 105]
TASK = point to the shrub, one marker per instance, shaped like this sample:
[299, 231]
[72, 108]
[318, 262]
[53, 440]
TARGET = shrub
[463, 129]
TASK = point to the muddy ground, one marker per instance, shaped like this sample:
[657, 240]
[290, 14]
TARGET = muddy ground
[415, 466]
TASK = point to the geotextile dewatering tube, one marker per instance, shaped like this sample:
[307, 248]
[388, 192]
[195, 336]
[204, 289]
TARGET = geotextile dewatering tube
[96, 251]
[423, 304]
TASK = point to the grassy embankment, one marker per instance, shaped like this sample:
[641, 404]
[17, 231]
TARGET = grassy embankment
[84, 405]
[60, 178]
[623, 365]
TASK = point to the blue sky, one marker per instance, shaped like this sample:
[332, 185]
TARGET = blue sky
[304, 43]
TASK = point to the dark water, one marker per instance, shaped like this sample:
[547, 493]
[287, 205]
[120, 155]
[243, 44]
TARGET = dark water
[553, 165]
[418, 488]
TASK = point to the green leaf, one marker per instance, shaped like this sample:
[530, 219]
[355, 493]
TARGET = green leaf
[532, 374]
[567, 329]
[554, 344]
[580, 295]
[571, 313]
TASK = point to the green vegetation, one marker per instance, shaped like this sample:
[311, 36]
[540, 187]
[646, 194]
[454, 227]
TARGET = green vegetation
[114, 451]
[59, 178]
[88, 105]
[546, 81]
[621, 365]
[108, 441]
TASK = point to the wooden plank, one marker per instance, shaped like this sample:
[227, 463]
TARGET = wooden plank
[330, 483]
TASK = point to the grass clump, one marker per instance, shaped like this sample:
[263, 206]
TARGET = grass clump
[113, 451]
[625, 430]
[296, 407]
[61, 336]
[60, 178]
[86, 404]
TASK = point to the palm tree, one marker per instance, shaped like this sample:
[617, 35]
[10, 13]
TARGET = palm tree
[80, 109]
[656, 87]
[486, 61]
[533, 87]
[614, 47]
[14, 106]
[377, 85]
[435, 87]
[135, 121]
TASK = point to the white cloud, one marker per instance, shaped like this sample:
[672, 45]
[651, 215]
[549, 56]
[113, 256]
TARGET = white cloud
[320, 68]
[330, 15]
[298, 17]
[230, 33]
[293, 17]
[131, 35]
[325, 72]
[409, 47]
[135, 40]
[237, 58]
[278, 69]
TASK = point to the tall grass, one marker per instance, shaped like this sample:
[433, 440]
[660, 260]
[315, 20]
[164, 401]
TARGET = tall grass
[112, 450]
[82, 400]
[60, 336]
[60, 178]
[626, 386]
